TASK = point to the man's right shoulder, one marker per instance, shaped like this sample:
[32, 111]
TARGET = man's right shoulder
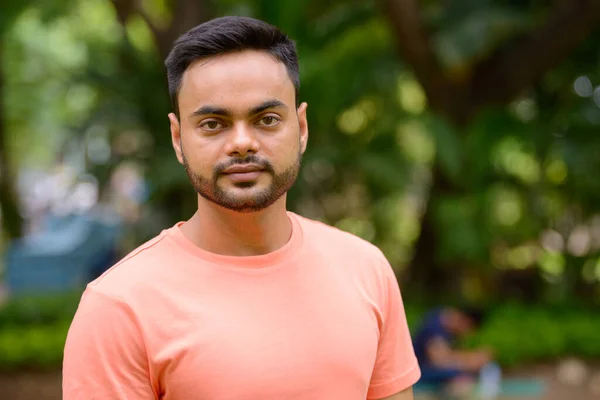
[136, 268]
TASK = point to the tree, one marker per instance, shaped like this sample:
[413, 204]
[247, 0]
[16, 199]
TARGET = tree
[461, 92]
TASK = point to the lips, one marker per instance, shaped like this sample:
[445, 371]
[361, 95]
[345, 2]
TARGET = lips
[242, 169]
[243, 173]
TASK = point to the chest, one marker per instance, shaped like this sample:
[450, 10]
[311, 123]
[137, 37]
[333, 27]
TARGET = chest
[293, 339]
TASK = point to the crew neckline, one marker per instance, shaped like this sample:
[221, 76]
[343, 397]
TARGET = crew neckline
[285, 252]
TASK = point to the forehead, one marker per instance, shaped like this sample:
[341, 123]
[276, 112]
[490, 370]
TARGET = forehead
[235, 80]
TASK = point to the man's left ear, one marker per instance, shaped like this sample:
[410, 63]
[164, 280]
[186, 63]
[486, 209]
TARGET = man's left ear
[303, 124]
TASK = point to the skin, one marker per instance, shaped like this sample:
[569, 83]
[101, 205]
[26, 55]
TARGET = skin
[236, 107]
[444, 356]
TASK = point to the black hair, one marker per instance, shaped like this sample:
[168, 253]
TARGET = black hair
[226, 35]
[476, 315]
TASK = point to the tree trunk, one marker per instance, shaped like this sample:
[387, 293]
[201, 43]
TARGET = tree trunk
[426, 273]
[186, 15]
[12, 222]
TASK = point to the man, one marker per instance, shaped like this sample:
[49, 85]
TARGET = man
[245, 300]
[444, 366]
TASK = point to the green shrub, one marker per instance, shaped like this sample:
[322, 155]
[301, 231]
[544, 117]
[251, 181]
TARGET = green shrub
[32, 347]
[522, 334]
[33, 330]
[39, 310]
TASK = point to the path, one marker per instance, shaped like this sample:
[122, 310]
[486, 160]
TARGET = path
[47, 386]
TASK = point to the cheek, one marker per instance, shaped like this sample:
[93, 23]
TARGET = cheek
[285, 153]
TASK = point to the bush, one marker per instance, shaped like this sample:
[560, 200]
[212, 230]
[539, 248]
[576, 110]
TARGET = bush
[39, 310]
[33, 330]
[36, 347]
[525, 334]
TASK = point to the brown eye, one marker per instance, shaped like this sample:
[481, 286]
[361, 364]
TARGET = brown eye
[211, 125]
[269, 121]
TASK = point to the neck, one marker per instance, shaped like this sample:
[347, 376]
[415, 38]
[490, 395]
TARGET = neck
[221, 231]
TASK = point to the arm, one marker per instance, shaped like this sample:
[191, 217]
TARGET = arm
[104, 356]
[442, 355]
[396, 367]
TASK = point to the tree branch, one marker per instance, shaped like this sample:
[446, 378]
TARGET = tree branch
[415, 48]
[186, 15]
[156, 32]
[505, 74]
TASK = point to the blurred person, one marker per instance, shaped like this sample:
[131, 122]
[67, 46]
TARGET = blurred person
[245, 300]
[449, 369]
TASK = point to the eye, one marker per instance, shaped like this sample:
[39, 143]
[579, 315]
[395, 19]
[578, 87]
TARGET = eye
[211, 125]
[269, 121]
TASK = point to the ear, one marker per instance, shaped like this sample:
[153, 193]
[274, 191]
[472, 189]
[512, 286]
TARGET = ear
[176, 136]
[303, 124]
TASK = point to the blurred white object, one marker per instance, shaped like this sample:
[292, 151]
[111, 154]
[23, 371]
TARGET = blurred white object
[572, 372]
[490, 379]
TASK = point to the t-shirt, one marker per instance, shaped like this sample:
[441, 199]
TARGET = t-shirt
[430, 329]
[319, 318]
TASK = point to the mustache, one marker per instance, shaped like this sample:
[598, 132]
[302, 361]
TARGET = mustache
[251, 159]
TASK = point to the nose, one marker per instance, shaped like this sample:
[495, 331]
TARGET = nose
[242, 141]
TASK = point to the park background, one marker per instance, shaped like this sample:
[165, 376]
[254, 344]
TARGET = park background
[461, 137]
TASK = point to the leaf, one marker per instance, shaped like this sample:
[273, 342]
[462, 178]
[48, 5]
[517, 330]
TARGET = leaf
[448, 146]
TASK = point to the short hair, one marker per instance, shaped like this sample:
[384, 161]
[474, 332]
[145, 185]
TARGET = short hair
[227, 35]
[476, 315]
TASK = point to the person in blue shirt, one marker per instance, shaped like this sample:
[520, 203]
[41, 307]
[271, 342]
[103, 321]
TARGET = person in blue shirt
[442, 364]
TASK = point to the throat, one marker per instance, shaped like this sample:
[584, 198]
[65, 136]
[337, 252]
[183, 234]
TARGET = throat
[244, 235]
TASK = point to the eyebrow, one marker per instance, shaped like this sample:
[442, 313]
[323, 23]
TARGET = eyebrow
[265, 106]
[227, 112]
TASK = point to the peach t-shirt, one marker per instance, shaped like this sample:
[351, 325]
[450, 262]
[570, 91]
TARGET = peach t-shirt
[320, 318]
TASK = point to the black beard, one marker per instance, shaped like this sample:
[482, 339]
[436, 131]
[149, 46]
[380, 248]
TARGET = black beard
[209, 189]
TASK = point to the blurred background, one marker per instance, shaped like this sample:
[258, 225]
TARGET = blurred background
[461, 137]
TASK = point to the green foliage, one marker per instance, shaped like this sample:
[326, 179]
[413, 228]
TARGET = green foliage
[527, 334]
[75, 74]
[32, 346]
[39, 310]
[34, 329]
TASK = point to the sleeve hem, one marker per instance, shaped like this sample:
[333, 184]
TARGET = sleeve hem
[404, 381]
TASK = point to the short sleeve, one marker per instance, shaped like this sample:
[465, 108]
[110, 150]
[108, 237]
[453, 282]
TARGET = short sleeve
[104, 355]
[396, 367]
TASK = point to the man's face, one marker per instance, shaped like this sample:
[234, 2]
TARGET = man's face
[239, 135]
[464, 325]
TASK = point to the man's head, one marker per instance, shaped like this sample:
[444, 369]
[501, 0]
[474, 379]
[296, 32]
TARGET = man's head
[233, 83]
[464, 321]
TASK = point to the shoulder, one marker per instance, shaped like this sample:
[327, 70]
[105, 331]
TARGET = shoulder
[336, 239]
[346, 251]
[135, 269]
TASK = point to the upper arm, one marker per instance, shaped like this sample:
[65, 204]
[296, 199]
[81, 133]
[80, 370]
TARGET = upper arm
[104, 355]
[438, 350]
[396, 368]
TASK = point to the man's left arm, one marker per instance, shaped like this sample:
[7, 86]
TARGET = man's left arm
[396, 368]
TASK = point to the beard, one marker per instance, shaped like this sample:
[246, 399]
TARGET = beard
[247, 199]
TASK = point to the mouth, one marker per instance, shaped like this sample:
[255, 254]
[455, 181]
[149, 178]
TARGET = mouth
[243, 173]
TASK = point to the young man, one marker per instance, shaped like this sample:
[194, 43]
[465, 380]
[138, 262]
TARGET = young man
[452, 370]
[245, 300]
